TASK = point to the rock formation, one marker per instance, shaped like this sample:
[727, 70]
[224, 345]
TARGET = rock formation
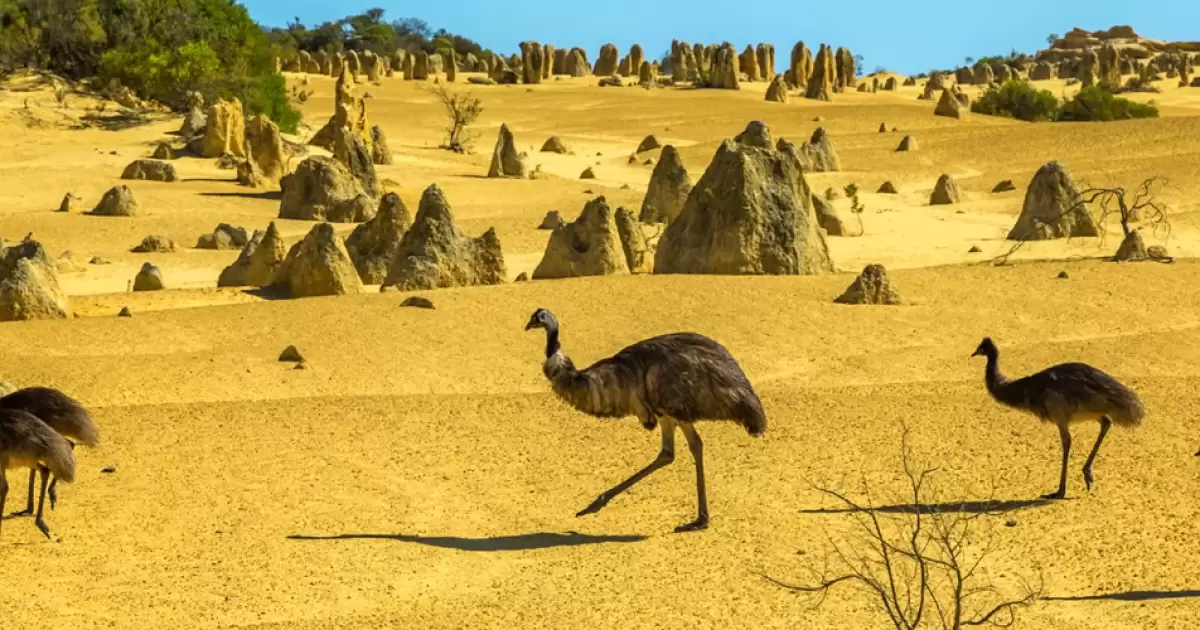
[577, 63]
[748, 64]
[1132, 248]
[506, 162]
[554, 144]
[633, 243]
[355, 155]
[321, 189]
[820, 83]
[801, 65]
[756, 134]
[649, 143]
[380, 153]
[552, 220]
[777, 91]
[70, 203]
[117, 202]
[224, 237]
[818, 155]
[148, 278]
[224, 132]
[29, 286]
[434, 253]
[945, 192]
[668, 189]
[750, 213]
[949, 106]
[590, 246]
[259, 263]
[374, 244]
[827, 217]
[1053, 208]
[888, 188]
[872, 286]
[908, 143]
[725, 68]
[765, 54]
[195, 120]
[846, 69]
[265, 145]
[151, 170]
[532, 62]
[319, 265]
[606, 64]
[248, 175]
[155, 243]
[1108, 67]
[420, 69]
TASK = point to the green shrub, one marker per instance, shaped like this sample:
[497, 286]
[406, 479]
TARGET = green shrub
[1017, 99]
[1098, 104]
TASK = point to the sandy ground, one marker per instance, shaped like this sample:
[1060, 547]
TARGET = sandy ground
[420, 474]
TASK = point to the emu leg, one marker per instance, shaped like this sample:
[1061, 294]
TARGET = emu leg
[696, 446]
[1105, 423]
[3, 486]
[665, 457]
[28, 511]
[41, 524]
[53, 493]
[1064, 434]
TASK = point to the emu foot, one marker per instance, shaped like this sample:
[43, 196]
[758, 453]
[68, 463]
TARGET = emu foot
[1087, 478]
[596, 505]
[42, 526]
[701, 523]
[1061, 493]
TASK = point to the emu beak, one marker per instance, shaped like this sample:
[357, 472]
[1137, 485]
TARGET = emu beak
[977, 353]
[533, 323]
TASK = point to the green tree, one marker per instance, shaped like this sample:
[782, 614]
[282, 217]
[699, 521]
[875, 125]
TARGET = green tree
[1017, 99]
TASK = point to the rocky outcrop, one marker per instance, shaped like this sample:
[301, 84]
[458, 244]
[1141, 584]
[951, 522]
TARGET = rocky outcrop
[945, 192]
[606, 64]
[117, 202]
[1053, 208]
[155, 243]
[668, 189]
[908, 143]
[725, 74]
[319, 265]
[633, 242]
[750, 213]
[590, 246]
[265, 145]
[872, 286]
[224, 237]
[818, 155]
[506, 162]
[827, 216]
[554, 144]
[532, 62]
[777, 91]
[224, 131]
[373, 245]
[355, 154]
[259, 263]
[846, 69]
[29, 286]
[801, 65]
[434, 253]
[150, 170]
[148, 278]
[322, 189]
[949, 106]
[820, 83]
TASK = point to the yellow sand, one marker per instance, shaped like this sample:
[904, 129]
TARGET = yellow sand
[419, 474]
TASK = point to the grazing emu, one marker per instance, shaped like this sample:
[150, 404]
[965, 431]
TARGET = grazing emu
[677, 379]
[1065, 394]
[61, 413]
[27, 442]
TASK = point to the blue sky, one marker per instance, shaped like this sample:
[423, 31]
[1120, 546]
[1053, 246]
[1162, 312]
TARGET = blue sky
[905, 37]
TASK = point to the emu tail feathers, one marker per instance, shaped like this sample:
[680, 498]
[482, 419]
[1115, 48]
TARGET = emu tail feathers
[750, 414]
[59, 456]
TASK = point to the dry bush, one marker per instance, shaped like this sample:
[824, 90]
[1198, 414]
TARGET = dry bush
[462, 110]
[921, 562]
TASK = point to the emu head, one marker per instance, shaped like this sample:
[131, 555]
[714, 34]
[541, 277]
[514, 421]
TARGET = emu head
[986, 348]
[542, 318]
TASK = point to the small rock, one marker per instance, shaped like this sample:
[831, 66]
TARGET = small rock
[1004, 186]
[70, 203]
[1062, 275]
[626, 187]
[552, 220]
[632, 159]
[96, 260]
[819, 119]
[588, 191]
[125, 312]
[416, 301]
[108, 470]
[974, 250]
[290, 355]
[648, 163]
[1010, 523]
[522, 277]
[227, 162]
[587, 173]
[154, 243]
[148, 279]
[301, 365]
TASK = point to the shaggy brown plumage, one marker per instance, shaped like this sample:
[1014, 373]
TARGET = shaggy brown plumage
[61, 413]
[680, 379]
[27, 442]
[1063, 395]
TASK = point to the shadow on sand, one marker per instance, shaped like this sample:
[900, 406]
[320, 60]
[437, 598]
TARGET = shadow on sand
[1128, 596]
[956, 507]
[520, 542]
[270, 195]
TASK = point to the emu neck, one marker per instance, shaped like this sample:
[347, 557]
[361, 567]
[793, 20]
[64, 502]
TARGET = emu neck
[552, 346]
[995, 380]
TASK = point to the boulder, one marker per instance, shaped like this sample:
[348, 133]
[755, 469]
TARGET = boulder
[777, 91]
[1004, 186]
[872, 286]
[1132, 249]
[606, 64]
[249, 176]
[577, 64]
[506, 162]
[151, 170]
[668, 189]
[909, 143]
[612, 81]
[373, 245]
[633, 243]
[750, 213]
[949, 106]
[380, 153]
[164, 151]
[259, 262]
[224, 237]
[818, 155]
[649, 143]
[154, 243]
[117, 202]
[888, 188]
[587, 173]
[434, 253]
[756, 134]
[224, 133]
[265, 145]
[552, 220]
[29, 286]
[316, 190]
[70, 203]
[1053, 208]
[827, 217]
[148, 278]
[945, 192]
[319, 265]
[554, 144]
[591, 246]
[416, 301]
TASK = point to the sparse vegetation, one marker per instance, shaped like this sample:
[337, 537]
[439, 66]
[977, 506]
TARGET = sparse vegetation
[462, 110]
[1097, 104]
[1017, 99]
[920, 562]
[856, 206]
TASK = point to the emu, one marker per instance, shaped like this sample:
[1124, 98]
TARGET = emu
[677, 379]
[61, 413]
[27, 442]
[1065, 394]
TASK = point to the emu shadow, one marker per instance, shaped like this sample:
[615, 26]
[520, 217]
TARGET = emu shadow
[269, 195]
[1128, 596]
[119, 121]
[519, 542]
[953, 507]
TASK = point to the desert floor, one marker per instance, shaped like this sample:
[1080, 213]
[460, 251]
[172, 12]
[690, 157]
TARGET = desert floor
[420, 473]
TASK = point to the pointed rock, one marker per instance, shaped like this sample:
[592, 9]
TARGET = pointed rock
[374, 244]
[1004, 186]
[506, 162]
[888, 188]
[1053, 208]
[649, 143]
[259, 263]
[777, 91]
[872, 286]
[266, 148]
[319, 265]
[633, 242]
[150, 170]
[827, 217]
[552, 220]
[554, 144]
[290, 354]
[949, 106]
[591, 246]
[909, 143]
[434, 253]
[149, 278]
[117, 202]
[668, 189]
[945, 192]
[29, 286]
[380, 153]
[316, 190]
[224, 131]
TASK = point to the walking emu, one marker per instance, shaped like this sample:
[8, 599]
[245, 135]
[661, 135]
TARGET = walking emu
[61, 413]
[27, 442]
[675, 379]
[1065, 394]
